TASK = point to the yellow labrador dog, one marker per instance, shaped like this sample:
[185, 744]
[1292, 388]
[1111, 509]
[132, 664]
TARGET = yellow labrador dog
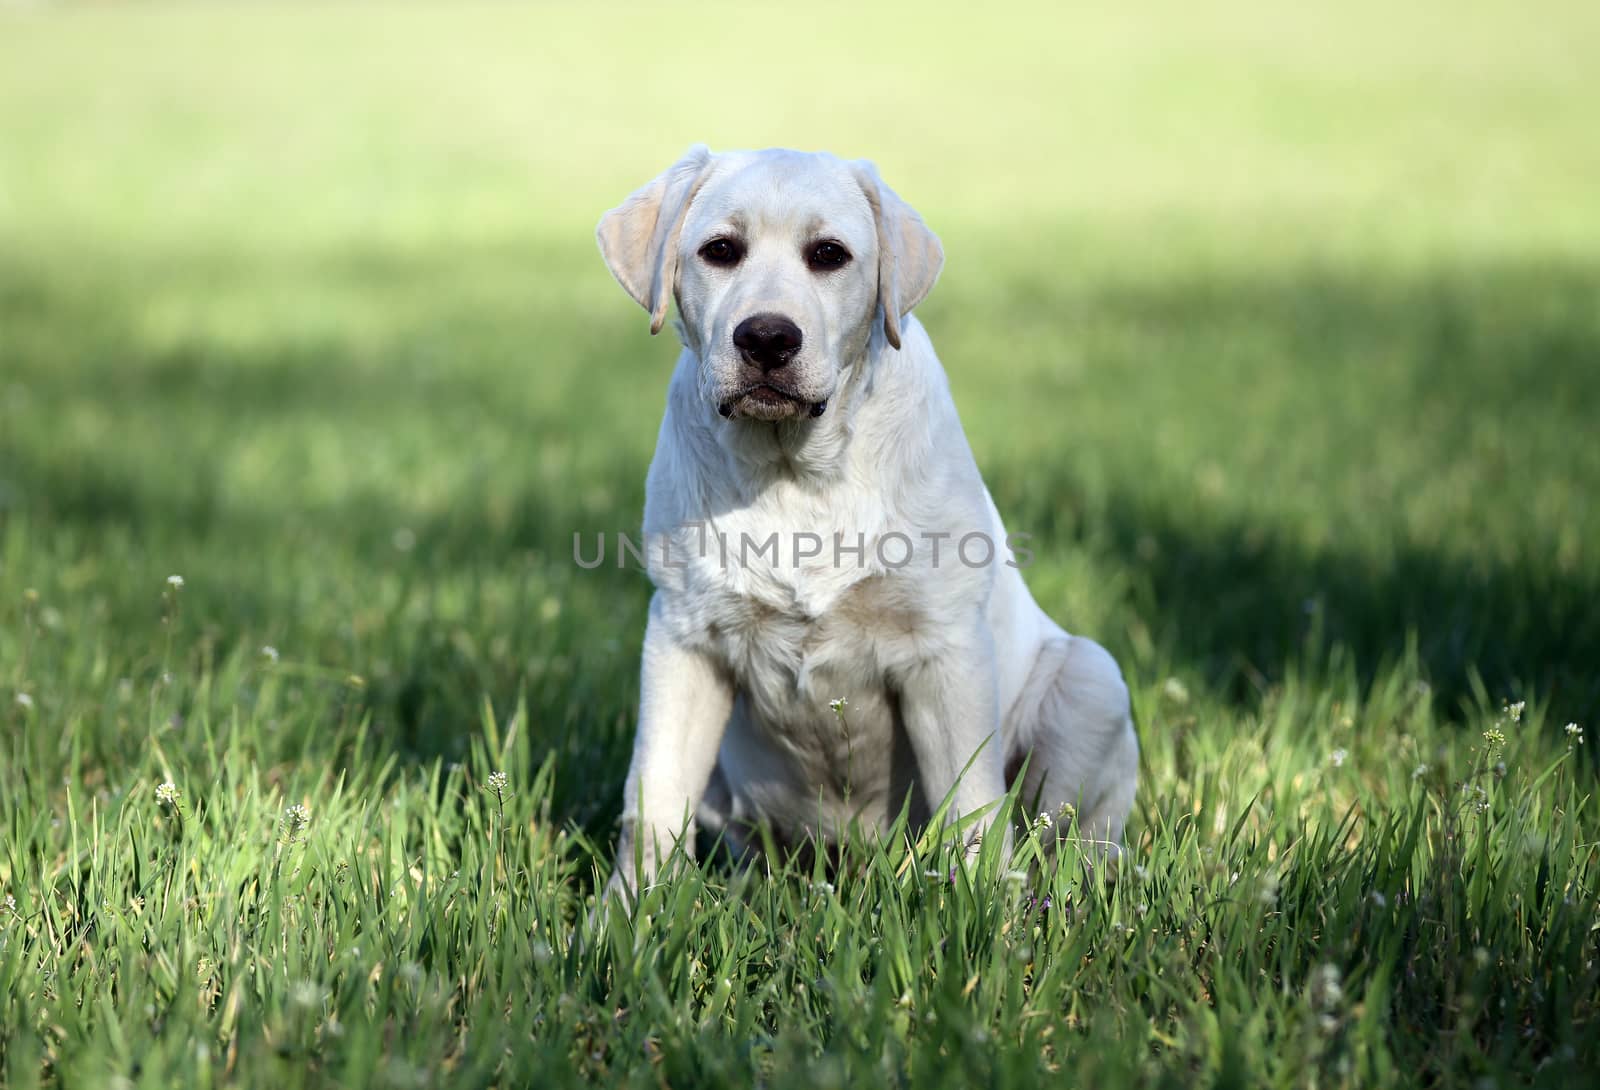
[839, 621]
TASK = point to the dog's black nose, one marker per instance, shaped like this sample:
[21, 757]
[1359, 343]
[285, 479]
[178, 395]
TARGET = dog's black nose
[767, 340]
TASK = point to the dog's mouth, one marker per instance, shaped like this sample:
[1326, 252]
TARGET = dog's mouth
[766, 402]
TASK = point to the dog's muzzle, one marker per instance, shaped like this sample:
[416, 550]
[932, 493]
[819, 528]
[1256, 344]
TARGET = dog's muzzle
[767, 402]
[767, 344]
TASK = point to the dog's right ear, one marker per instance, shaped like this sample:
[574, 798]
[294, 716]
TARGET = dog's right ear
[639, 238]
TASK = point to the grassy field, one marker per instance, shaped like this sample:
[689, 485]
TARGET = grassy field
[1278, 329]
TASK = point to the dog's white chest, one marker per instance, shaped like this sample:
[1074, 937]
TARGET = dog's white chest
[791, 552]
[814, 718]
[811, 627]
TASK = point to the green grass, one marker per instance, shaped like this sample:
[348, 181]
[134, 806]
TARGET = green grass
[1278, 329]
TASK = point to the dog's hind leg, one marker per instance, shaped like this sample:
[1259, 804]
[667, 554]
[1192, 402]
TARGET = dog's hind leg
[1073, 726]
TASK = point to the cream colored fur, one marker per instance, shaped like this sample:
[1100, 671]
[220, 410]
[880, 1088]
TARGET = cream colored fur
[940, 664]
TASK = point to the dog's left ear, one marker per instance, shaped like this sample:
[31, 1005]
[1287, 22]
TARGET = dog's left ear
[909, 255]
[639, 238]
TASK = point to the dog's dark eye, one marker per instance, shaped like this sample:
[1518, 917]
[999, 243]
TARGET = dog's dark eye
[825, 256]
[722, 251]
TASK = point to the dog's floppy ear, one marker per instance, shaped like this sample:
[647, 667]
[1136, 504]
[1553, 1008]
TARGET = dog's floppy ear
[639, 238]
[909, 255]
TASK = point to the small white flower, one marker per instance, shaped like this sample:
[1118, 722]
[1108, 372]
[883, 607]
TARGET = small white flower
[269, 652]
[1419, 772]
[1327, 989]
[1575, 733]
[297, 817]
[1175, 691]
[167, 794]
[1515, 710]
[1337, 757]
[838, 704]
[175, 582]
[11, 903]
[498, 782]
[1141, 872]
[1044, 821]
[24, 701]
[824, 888]
[1378, 899]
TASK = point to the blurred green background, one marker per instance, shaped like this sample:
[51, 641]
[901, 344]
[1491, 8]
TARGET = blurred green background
[1277, 327]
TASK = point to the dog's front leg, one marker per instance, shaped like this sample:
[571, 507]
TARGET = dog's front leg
[950, 707]
[684, 702]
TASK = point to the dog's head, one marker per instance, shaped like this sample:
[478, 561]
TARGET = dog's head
[783, 264]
